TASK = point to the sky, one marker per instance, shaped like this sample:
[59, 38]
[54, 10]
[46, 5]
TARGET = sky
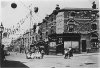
[10, 17]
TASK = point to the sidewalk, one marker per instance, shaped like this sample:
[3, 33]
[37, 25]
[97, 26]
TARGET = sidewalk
[84, 54]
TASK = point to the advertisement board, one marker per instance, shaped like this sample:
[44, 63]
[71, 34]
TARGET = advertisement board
[60, 23]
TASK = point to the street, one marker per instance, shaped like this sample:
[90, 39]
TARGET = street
[86, 60]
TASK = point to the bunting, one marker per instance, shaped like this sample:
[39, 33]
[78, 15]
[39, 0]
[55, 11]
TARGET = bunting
[13, 30]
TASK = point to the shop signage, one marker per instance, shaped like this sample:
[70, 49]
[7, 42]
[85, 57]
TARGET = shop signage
[60, 23]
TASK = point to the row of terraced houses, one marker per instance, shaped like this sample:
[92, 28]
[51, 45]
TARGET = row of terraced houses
[63, 28]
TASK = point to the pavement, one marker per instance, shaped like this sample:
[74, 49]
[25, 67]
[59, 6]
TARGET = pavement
[85, 60]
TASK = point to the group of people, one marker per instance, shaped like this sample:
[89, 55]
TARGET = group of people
[68, 53]
[36, 52]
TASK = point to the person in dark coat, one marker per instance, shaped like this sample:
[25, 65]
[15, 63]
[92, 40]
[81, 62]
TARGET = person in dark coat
[70, 52]
[2, 54]
[66, 51]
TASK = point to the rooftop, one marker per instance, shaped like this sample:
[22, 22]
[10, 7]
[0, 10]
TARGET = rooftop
[79, 9]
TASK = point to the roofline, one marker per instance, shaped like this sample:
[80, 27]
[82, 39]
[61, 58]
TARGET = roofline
[84, 9]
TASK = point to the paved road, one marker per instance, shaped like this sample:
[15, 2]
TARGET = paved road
[90, 60]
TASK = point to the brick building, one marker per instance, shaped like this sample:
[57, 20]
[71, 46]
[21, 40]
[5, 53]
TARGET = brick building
[71, 27]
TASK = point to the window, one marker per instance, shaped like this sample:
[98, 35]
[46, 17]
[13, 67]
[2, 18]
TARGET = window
[71, 28]
[93, 26]
[73, 14]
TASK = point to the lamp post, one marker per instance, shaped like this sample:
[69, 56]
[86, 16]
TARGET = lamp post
[1, 30]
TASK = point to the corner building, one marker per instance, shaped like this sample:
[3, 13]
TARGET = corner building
[77, 28]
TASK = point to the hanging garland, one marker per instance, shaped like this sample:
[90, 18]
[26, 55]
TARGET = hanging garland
[21, 22]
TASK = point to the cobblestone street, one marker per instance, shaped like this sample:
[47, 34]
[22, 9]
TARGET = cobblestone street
[87, 60]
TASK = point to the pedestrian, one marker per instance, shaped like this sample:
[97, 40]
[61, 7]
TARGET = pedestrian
[2, 54]
[42, 54]
[66, 53]
[70, 52]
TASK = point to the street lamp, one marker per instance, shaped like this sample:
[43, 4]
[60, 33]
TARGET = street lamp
[1, 30]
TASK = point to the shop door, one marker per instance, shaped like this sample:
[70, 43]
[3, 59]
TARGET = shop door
[83, 45]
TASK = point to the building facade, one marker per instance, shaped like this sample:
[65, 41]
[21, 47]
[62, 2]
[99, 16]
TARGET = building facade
[77, 28]
[68, 27]
[23, 43]
[72, 27]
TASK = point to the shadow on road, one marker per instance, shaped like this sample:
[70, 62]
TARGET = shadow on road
[13, 64]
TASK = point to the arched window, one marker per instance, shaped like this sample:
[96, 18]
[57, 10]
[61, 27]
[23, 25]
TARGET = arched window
[71, 28]
[73, 14]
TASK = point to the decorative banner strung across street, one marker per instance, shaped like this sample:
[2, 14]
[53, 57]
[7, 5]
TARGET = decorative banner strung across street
[10, 31]
[60, 23]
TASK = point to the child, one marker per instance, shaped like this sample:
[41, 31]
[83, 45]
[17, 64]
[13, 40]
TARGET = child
[42, 53]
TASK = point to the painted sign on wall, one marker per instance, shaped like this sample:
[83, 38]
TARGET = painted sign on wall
[60, 23]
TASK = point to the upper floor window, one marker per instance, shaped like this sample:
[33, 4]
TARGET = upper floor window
[93, 26]
[71, 28]
[73, 14]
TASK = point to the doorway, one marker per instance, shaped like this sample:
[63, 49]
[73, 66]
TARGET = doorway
[83, 45]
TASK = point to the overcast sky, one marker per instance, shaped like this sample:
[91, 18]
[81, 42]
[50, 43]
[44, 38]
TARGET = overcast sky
[10, 16]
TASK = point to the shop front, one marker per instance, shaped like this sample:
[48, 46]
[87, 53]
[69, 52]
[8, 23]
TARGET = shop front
[68, 40]
[79, 42]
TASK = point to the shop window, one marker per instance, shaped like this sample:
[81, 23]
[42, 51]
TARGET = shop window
[93, 26]
[94, 44]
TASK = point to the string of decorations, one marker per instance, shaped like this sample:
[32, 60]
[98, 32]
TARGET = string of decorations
[9, 31]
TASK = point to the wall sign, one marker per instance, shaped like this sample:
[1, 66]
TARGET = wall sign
[60, 23]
